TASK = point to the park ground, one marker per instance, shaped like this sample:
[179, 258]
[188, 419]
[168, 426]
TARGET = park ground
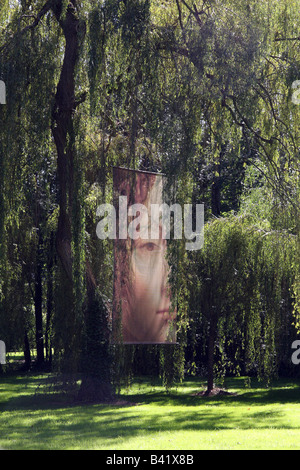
[147, 417]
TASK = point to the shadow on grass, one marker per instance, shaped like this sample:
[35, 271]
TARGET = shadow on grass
[49, 421]
[281, 392]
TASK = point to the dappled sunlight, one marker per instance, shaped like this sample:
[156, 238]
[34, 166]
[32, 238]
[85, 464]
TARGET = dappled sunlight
[156, 420]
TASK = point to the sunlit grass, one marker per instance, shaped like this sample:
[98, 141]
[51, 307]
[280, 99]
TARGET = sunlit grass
[255, 418]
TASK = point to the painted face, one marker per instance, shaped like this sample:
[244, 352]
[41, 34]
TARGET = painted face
[149, 313]
[142, 295]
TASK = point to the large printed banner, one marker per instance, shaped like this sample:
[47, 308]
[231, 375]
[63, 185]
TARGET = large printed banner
[142, 307]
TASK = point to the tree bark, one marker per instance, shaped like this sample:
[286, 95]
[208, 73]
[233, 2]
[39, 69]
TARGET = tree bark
[62, 128]
[38, 306]
[94, 386]
[63, 134]
[216, 187]
[27, 354]
[49, 301]
[211, 352]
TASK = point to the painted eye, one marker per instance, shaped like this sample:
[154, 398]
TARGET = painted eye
[150, 246]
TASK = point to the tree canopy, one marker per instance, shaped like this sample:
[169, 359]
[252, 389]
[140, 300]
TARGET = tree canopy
[200, 90]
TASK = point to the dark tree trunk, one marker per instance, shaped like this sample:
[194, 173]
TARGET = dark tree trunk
[63, 133]
[216, 187]
[27, 354]
[62, 129]
[49, 302]
[216, 194]
[38, 306]
[93, 386]
[96, 384]
[211, 352]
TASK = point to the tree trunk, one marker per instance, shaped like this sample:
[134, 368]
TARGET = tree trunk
[211, 353]
[94, 385]
[27, 354]
[216, 186]
[216, 194]
[38, 306]
[62, 130]
[63, 134]
[49, 302]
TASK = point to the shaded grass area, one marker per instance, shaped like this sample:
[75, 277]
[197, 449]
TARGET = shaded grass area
[255, 418]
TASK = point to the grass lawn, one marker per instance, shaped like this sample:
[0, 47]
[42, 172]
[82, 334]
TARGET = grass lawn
[256, 418]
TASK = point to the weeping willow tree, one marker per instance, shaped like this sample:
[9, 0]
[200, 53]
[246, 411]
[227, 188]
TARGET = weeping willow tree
[200, 91]
[244, 302]
[55, 32]
[27, 162]
[41, 46]
[249, 116]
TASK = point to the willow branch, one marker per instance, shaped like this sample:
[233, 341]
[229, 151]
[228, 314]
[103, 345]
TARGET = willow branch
[277, 39]
[31, 26]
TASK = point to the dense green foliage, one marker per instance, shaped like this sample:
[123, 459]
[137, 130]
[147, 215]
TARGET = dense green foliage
[199, 90]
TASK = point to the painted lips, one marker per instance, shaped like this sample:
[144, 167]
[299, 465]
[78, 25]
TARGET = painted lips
[162, 311]
[166, 314]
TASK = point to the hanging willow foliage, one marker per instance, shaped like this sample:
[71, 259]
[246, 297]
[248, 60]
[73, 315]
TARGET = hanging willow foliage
[196, 90]
[246, 274]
